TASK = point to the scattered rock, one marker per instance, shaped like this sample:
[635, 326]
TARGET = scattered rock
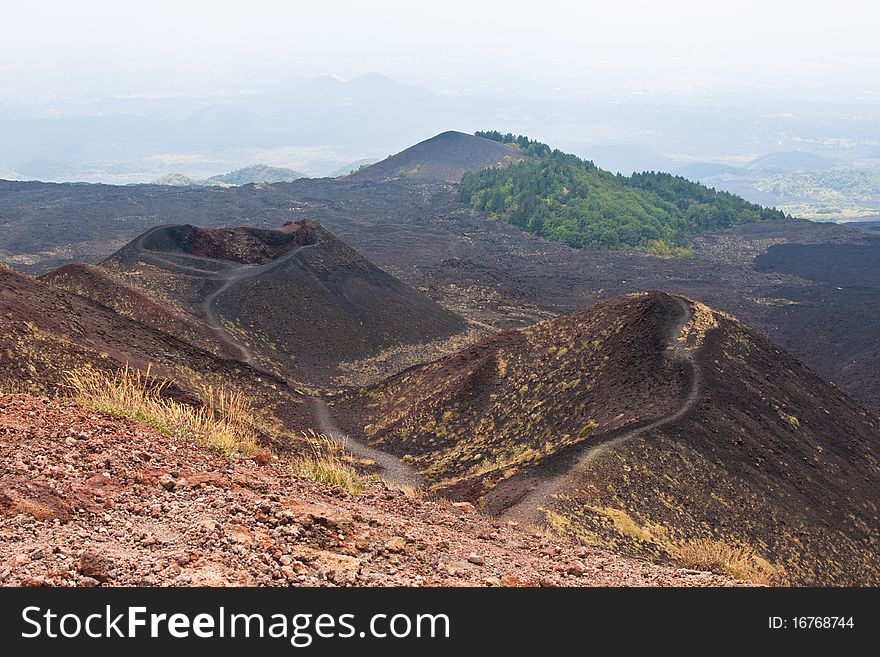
[576, 569]
[476, 559]
[32, 582]
[167, 482]
[95, 565]
[208, 524]
[689, 571]
[33, 498]
[92, 514]
[395, 544]
[202, 478]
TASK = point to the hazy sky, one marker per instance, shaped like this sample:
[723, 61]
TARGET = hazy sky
[95, 48]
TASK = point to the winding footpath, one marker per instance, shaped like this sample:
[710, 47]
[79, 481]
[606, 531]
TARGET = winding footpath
[393, 469]
[528, 508]
[229, 273]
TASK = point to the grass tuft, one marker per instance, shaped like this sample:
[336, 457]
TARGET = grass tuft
[327, 464]
[224, 423]
[737, 561]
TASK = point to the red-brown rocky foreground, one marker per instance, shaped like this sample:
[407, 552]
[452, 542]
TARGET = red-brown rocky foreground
[87, 499]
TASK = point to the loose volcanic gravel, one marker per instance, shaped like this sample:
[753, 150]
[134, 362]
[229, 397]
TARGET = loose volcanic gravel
[88, 500]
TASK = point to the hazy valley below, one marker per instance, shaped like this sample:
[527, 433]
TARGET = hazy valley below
[821, 162]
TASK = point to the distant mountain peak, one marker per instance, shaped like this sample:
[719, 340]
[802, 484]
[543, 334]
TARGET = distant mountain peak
[258, 173]
[446, 156]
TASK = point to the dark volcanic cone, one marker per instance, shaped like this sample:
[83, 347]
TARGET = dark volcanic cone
[647, 423]
[296, 296]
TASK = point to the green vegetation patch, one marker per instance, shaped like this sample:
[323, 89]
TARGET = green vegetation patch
[563, 198]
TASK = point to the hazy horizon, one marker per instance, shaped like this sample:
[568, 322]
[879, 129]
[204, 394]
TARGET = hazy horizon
[98, 49]
[128, 92]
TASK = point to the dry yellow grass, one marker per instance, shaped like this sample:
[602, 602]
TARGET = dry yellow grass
[15, 387]
[327, 464]
[627, 526]
[223, 423]
[738, 561]
[703, 320]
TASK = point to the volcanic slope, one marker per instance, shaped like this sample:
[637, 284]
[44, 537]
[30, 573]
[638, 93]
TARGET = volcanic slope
[103, 287]
[87, 500]
[293, 300]
[446, 157]
[652, 425]
[47, 332]
[494, 273]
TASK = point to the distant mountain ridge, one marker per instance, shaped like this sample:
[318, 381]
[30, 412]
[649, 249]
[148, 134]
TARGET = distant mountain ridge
[181, 180]
[258, 173]
[351, 167]
[780, 162]
[254, 174]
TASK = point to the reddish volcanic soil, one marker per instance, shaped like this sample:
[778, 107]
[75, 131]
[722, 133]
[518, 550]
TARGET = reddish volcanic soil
[87, 500]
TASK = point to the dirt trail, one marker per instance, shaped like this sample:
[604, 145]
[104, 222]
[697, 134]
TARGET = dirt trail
[228, 274]
[190, 517]
[475, 322]
[245, 353]
[528, 509]
[393, 469]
